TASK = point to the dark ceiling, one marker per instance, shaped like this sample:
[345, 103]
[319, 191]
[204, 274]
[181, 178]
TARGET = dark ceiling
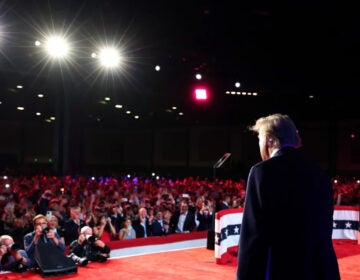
[284, 53]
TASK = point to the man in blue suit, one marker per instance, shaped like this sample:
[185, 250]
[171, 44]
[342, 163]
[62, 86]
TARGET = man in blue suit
[286, 231]
[159, 227]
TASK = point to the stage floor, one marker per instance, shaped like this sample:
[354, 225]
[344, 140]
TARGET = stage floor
[185, 264]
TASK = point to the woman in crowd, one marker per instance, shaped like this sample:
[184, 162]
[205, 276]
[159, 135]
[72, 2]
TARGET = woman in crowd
[127, 232]
[104, 229]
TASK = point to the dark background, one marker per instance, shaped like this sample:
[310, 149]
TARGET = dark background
[285, 51]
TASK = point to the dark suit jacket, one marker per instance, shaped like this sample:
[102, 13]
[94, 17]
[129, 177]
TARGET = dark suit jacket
[223, 206]
[205, 221]
[286, 230]
[139, 229]
[189, 223]
[157, 229]
[72, 230]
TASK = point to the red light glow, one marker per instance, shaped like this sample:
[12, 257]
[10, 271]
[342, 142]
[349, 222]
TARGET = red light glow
[201, 94]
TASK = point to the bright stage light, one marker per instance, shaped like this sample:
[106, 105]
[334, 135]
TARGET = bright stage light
[201, 94]
[109, 58]
[57, 47]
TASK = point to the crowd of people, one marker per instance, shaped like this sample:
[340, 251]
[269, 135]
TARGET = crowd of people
[84, 213]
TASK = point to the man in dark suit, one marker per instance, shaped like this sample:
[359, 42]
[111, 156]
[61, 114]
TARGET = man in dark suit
[73, 225]
[141, 224]
[225, 202]
[183, 219]
[159, 227]
[286, 231]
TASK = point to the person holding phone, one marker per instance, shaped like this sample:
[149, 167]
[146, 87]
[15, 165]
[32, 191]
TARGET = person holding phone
[41, 234]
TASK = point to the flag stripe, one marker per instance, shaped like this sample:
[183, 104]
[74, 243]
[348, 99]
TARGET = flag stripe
[228, 225]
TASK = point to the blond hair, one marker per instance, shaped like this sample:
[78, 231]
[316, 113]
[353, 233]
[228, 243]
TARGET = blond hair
[37, 217]
[280, 127]
[5, 237]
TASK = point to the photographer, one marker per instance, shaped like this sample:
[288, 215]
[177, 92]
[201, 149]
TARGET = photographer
[12, 258]
[43, 234]
[89, 246]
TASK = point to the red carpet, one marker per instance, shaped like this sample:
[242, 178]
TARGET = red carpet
[348, 253]
[194, 264]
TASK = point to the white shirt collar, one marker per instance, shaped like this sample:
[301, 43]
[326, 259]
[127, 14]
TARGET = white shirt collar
[277, 149]
[274, 152]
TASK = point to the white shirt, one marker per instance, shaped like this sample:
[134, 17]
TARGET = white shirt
[180, 224]
[143, 223]
[277, 149]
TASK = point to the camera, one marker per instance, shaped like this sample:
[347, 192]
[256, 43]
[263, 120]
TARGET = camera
[100, 258]
[81, 261]
[91, 238]
[45, 230]
[13, 247]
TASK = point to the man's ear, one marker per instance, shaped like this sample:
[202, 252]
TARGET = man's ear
[269, 141]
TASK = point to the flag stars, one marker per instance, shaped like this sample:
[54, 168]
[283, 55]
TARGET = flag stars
[348, 225]
[334, 225]
[236, 230]
[217, 239]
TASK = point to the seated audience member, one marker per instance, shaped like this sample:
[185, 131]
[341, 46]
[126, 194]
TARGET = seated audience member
[142, 223]
[41, 234]
[73, 225]
[183, 220]
[150, 213]
[167, 214]
[54, 207]
[205, 216]
[54, 225]
[225, 202]
[89, 246]
[63, 208]
[43, 203]
[129, 212]
[18, 230]
[127, 232]
[12, 257]
[159, 227]
[104, 229]
[117, 217]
